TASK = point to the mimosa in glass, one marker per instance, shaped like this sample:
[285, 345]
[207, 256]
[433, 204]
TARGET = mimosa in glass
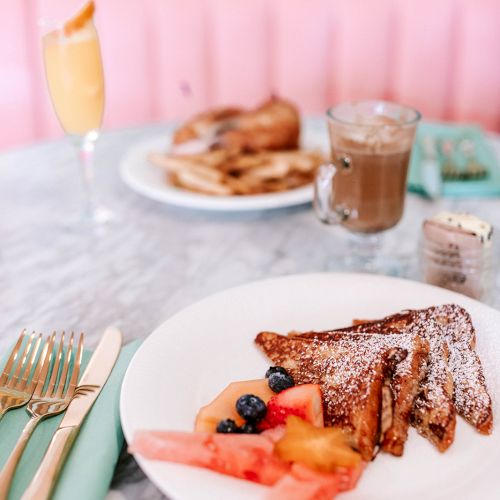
[75, 79]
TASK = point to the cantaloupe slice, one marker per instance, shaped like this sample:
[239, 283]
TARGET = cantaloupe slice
[224, 405]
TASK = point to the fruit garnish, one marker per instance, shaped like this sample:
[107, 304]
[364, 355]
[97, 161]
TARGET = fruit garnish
[244, 456]
[349, 476]
[323, 449]
[251, 408]
[279, 381]
[227, 426]
[224, 405]
[275, 369]
[274, 434]
[79, 20]
[305, 484]
[303, 401]
[249, 428]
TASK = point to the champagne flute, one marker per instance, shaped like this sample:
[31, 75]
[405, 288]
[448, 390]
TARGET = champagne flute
[75, 79]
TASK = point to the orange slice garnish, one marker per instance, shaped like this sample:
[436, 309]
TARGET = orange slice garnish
[79, 20]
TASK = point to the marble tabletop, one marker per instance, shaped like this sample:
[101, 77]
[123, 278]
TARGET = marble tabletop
[157, 258]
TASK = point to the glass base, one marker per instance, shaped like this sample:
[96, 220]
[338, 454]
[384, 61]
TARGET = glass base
[98, 220]
[389, 266]
[365, 254]
[99, 216]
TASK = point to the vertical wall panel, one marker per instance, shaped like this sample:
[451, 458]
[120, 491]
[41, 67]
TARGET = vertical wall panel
[48, 126]
[240, 51]
[180, 64]
[424, 55]
[300, 39]
[167, 59]
[123, 33]
[476, 92]
[17, 118]
[360, 49]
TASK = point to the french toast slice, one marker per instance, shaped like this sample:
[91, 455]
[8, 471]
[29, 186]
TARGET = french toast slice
[471, 397]
[352, 376]
[452, 323]
[404, 383]
[433, 413]
[458, 388]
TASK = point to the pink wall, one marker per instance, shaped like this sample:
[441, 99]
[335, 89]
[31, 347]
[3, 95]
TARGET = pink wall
[166, 59]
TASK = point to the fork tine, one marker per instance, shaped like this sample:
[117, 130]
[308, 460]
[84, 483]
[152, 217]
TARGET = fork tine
[40, 375]
[62, 381]
[12, 359]
[26, 372]
[14, 379]
[55, 368]
[76, 369]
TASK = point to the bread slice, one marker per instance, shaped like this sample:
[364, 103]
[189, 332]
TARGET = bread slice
[455, 381]
[353, 376]
[452, 324]
[433, 414]
[404, 383]
[471, 397]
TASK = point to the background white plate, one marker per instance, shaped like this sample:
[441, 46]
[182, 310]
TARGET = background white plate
[148, 180]
[197, 352]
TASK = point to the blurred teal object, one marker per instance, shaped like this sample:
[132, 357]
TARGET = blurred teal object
[91, 463]
[483, 153]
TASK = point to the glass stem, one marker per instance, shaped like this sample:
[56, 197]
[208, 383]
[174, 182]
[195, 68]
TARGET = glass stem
[364, 249]
[86, 149]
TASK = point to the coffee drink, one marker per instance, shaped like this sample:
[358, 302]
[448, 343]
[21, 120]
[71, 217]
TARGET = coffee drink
[372, 156]
[363, 187]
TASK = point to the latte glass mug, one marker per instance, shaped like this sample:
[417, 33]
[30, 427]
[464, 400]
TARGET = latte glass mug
[363, 187]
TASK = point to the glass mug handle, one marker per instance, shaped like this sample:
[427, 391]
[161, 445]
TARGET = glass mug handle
[324, 200]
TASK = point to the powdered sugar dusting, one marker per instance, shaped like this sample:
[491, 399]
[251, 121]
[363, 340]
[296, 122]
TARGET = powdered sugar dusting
[454, 379]
[348, 373]
[450, 333]
[345, 374]
[471, 397]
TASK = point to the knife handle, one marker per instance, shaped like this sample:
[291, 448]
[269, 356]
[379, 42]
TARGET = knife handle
[43, 483]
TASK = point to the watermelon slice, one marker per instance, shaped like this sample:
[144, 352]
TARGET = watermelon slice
[244, 456]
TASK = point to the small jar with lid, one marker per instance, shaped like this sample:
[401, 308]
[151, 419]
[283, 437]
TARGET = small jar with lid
[458, 253]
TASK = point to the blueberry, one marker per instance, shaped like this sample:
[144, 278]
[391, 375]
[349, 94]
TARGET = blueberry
[251, 408]
[227, 426]
[280, 381]
[248, 428]
[275, 369]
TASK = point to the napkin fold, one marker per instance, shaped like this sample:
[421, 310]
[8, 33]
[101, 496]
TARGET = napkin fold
[483, 153]
[90, 465]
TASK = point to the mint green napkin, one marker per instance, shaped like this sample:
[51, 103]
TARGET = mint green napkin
[92, 460]
[489, 186]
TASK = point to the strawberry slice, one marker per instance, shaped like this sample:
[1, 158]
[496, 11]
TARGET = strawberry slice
[303, 401]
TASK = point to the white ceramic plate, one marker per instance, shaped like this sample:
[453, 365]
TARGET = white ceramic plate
[149, 180]
[197, 352]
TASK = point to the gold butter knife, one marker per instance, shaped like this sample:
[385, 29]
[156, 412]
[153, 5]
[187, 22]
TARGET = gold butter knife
[93, 380]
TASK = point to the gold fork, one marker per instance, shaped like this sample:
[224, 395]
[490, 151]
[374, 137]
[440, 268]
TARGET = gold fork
[46, 401]
[15, 390]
